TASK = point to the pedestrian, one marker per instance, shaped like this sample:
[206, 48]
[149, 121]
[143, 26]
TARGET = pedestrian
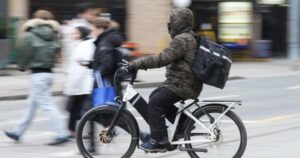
[105, 57]
[86, 13]
[38, 52]
[104, 62]
[180, 84]
[79, 82]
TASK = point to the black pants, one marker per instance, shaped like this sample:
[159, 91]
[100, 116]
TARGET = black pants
[74, 105]
[161, 106]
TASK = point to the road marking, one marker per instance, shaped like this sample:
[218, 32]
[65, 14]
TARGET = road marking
[279, 118]
[221, 97]
[293, 87]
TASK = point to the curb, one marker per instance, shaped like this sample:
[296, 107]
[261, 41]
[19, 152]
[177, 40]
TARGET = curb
[60, 93]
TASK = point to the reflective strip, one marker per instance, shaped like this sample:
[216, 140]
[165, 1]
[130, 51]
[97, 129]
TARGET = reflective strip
[226, 58]
[135, 100]
[216, 54]
[205, 49]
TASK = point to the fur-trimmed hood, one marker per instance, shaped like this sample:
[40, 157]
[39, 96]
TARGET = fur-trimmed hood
[45, 29]
[32, 23]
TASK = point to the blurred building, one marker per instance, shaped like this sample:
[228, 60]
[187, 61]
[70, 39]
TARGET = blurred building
[244, 25]
[237, 24]
[142, 21]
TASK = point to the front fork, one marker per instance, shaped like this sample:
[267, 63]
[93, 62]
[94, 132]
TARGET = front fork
[116, 117]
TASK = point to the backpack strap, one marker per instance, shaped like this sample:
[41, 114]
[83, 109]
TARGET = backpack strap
[198, 40]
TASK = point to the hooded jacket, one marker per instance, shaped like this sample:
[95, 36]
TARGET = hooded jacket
[39, 45]
[178, 57]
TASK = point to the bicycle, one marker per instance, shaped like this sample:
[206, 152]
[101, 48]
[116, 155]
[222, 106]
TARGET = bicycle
[118, 131]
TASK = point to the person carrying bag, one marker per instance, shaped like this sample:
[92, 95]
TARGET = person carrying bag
[104, 92]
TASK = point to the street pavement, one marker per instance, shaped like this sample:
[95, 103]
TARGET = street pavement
[270, 111]
[15, 85]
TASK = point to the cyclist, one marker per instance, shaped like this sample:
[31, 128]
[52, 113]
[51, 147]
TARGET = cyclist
[180, 83]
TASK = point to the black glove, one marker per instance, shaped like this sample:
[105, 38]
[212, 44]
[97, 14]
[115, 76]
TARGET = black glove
[132, 69]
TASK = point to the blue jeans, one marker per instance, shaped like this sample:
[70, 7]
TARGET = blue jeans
[40, 95]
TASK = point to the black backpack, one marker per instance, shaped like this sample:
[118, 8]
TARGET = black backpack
[212, 63]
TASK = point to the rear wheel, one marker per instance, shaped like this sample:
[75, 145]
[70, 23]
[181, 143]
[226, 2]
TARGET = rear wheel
[230, 134]
[94, 141]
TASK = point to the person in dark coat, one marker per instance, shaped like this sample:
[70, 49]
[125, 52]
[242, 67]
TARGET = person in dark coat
[108, 39]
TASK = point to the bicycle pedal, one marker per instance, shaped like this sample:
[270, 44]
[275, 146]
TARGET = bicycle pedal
[153, 152]
[193, 149]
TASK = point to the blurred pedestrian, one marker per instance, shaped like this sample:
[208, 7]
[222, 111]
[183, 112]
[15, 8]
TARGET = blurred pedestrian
[86, 13]
[105, 56]
[38, 51]
[104, 62]
[80, 79]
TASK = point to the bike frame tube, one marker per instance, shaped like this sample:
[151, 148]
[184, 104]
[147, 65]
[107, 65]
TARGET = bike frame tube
[175, 125]
[116, 117]
[191, 116]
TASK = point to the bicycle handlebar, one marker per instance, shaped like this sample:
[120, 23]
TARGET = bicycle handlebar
[124, 67]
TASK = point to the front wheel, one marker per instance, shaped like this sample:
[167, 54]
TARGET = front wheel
[94, 141]
[230, 134]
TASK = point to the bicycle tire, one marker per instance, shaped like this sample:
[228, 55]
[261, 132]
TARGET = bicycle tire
[217, 109]
[127, 118]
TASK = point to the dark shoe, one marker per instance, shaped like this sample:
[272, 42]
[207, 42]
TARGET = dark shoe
[11, 135]
[154, 146]
[59, 141]
[145, 137]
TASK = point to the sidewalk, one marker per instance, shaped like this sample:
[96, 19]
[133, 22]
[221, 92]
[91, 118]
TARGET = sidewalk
[15, 85]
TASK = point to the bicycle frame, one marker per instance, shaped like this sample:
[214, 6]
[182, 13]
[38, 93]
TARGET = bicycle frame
[211, 131]
[130, 92]
[187, 111]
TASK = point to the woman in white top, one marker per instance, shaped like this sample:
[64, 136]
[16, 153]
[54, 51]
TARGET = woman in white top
[79, 83]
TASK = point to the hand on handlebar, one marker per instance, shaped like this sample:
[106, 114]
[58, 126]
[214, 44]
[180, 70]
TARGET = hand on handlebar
[125, 65]
[131, 68]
